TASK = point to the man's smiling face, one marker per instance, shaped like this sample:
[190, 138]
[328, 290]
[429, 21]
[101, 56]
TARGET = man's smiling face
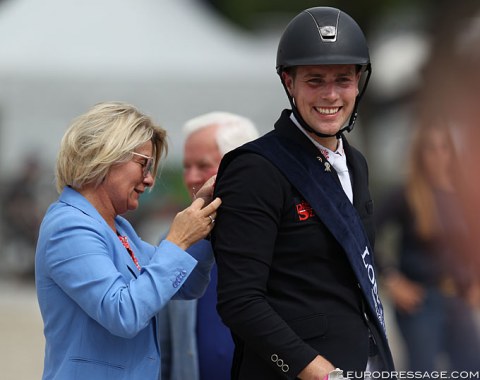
[324, 94]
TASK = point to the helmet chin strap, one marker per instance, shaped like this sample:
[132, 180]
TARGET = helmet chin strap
[353, 116]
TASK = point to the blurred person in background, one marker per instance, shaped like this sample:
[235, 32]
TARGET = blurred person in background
[99, 285]
[454, 84]
[432, 284]
[294, 236]
[22, 213]
[195, 344]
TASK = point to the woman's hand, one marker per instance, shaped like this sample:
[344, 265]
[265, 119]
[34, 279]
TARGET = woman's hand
[193, 223]
[406, 294]
[206, 191]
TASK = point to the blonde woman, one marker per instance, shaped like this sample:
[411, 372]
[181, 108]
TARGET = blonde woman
[99, 284]
[429, 281]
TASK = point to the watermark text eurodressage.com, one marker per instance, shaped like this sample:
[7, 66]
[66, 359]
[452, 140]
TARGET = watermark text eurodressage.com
[460, 375]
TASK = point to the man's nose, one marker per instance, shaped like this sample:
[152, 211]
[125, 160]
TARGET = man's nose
[329, 90]
[192, 176]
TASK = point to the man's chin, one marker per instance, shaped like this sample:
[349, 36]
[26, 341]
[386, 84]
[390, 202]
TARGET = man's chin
[330, 131]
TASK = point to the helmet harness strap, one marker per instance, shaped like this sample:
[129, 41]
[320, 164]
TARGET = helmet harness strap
[353, 117]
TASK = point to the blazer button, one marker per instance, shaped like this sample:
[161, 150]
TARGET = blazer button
[274, 358]
[280, 362]
[285, 368]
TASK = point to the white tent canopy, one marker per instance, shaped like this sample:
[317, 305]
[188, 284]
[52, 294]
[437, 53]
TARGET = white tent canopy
[172, 59]
[122, 36]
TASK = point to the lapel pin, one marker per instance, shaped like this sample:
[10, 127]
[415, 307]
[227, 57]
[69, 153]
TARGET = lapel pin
[319, 158]
[327, 167]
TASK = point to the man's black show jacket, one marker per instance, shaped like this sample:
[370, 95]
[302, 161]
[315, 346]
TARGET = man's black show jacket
[285, 286]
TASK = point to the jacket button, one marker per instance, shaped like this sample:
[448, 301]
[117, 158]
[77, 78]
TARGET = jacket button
[274, 358]
[285, 368]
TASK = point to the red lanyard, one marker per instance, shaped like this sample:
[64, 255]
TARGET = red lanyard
[124, 241]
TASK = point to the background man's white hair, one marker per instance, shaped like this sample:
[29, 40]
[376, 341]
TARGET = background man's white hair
[233, 130]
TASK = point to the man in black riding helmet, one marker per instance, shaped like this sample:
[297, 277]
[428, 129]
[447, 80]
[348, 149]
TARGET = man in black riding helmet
[294, 236]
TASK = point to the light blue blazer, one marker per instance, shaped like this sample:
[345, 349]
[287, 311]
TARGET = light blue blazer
[98, 309]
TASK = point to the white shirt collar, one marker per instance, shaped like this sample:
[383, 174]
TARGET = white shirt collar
[329, 154]
[337, 159]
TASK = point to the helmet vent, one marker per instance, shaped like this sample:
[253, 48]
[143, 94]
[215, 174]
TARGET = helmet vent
[328, 33]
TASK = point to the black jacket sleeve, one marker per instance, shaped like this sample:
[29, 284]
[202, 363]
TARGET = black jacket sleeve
[253, 193]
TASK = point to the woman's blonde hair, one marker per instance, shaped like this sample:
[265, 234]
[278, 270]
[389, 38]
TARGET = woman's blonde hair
[105, 135]
[419, 190]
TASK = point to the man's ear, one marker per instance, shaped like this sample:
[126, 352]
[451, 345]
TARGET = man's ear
[288, 81]
[359, 75]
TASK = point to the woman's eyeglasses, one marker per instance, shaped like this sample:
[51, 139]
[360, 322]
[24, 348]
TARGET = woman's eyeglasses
[147, 165]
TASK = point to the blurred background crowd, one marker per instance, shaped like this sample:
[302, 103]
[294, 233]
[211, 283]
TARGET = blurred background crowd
[177, 59]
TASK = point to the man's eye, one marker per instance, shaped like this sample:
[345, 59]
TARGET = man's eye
[344, 80]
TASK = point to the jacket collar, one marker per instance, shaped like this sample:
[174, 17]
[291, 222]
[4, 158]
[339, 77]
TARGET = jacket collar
[73, 198]
[285, 127]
